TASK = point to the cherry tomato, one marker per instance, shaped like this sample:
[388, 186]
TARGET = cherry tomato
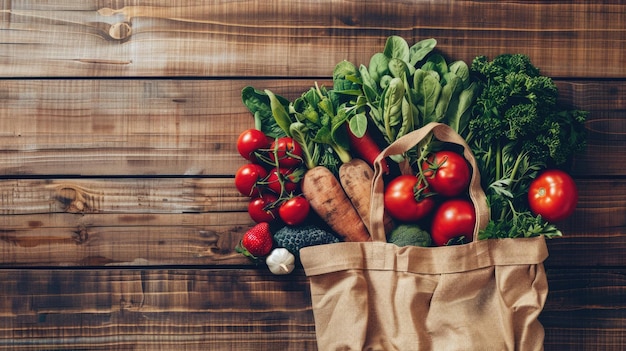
[447, 173]
[453, 219]
[294, 211]
[260, 208]
[247, 178]
[553, 195]
[251, 141]
[289, 152]
[406, 200]
[290, 181]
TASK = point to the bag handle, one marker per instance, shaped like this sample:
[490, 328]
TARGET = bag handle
[442, 132]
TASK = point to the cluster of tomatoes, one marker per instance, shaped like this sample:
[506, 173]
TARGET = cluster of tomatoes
[437, 195]
[271, 178]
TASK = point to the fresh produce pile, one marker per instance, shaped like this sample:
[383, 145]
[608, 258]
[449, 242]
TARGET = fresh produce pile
[310, 160]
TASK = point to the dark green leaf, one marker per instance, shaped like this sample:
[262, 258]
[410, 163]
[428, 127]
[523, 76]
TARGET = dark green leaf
[379, 66]
[279, 112]
[358, 124]
[397, 47]
[418, 51]
[436, 63]
[398, 68]
[258, 103]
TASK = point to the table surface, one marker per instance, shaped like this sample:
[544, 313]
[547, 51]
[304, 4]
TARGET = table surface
[118, 122]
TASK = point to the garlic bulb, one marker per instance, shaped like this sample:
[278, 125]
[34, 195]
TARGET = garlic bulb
[280, 261]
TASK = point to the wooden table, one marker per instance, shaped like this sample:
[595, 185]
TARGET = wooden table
[118, 121]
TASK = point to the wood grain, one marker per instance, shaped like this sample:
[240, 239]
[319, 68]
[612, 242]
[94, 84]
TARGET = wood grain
[118, 215]
[216, 309]
[126, 127]
[159, 127]
[152, 221]
[160, 309]
[285, 39]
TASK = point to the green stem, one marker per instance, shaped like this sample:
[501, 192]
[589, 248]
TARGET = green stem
[343, 154]
[425, 150]
[514, 171]
[498, 161]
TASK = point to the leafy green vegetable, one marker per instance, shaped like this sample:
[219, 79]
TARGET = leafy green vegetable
[258, 103]
[397, 97]
[279, 112]
[314, 120]
[505, 109]
[518, 128]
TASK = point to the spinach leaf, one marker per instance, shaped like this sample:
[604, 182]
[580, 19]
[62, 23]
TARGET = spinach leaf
[461, 70]
[346, 79]
[258, 103]
[391, 105]
[430, 89]
[396, 47]
[436, 63]
[279, 112]
[370, 87]
[398, 68]
[459, 110]
[419, 51]
[358, 124]
[378, 66]
[449, 92]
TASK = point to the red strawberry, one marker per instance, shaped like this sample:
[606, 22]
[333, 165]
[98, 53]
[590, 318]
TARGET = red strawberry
[257, 241]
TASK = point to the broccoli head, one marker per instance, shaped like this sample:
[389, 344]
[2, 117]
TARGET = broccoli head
[409, 234]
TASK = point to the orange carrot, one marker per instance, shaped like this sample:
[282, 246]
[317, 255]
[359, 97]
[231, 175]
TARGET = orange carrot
[328, 200]
[356, 179]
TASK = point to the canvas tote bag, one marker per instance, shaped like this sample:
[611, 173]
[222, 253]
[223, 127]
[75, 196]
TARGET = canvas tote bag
[485, 295]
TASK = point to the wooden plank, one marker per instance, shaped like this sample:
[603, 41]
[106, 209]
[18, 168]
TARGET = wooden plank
[124, 239]
[585, 310]
[606, 125]
[126, 127]
[154, 310]
[190, 127]
[286, 38]
[216, 309]
[144, 221]
[151, 221]
[120, 195]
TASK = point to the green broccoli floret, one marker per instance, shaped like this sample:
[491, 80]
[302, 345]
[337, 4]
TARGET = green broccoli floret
[293, 238]
[409, 234]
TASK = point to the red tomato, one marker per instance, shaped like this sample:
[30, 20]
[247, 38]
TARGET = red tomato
[447, 173]
[247, 178]
[251, 141]
[454, 218]
[261, 210]
[290, 182]
[294, 211]
[407, 201]
[289, 152]
[553, 195]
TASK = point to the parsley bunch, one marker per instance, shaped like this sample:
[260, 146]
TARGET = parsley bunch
[517, 128]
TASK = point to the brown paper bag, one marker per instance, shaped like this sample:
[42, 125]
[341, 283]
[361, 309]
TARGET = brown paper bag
[485, 295]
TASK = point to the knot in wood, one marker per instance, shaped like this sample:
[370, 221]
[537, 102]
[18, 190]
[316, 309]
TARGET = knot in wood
[119, 31]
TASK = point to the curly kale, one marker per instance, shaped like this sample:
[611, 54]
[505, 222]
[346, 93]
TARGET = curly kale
[517, 128]
[518, 104]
